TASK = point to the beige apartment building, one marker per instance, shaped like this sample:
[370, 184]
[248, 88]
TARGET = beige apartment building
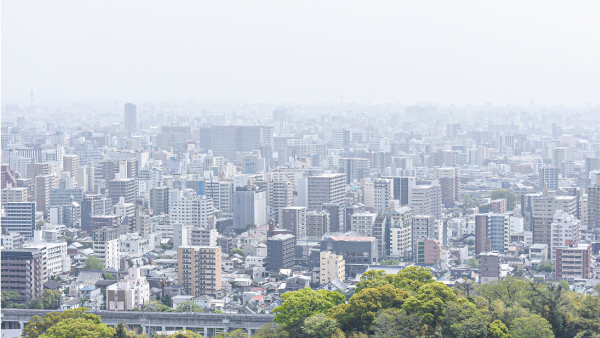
[199, 269]
[332, 266]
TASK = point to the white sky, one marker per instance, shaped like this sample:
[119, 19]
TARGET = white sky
[461, 52]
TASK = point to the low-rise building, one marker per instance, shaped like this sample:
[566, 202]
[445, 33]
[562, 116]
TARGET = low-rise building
[128, 294]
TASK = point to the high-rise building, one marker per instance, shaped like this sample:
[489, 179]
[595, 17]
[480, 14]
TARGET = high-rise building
[159, 200]
[325, 188]
[250, 207]
[19, 217]
[427, 200]
[403, 187]
[280, 252]
[14, 195]
[106, 246]
[549, 178]
[362, 223]
[482, 242]
[428, 251]
[317, 223]
[355, 169]
[336, 216]
[449, 179]
[195, 210]
[543, 210]
[565, 230]
[424, 226]
[71, 166]
[227, 140]
[294, 220]
[574, 261]
[281, 195]
[130, 118]
[498, 232]
[332, 266]
[199, 270]
[383, 194]
[23, 271]
[43, 185]
[121, 188]
[94, 205]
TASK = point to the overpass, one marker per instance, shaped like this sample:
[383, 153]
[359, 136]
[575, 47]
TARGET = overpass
[207, 324]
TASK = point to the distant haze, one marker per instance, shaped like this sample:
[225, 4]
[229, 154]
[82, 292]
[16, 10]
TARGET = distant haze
[460, 52]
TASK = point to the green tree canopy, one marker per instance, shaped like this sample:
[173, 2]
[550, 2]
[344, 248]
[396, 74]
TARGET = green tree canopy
[185, 334]
[534, 326]
[238, 252]
[38, 326]
[498, 330]
[319, 326]
[77, 328]
[473, 263]
[93, 263]
[428, 301]
[412, 278]
[509, 194]
[392, 323]
[298, 305]
[546, 266]
[271, 330]
[374, 279]
[361, 310]
[462, 319]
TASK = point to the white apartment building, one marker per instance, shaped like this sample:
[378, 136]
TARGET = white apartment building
[332, 266]
[255, 261]
[400, 241]
[362, 223]
[565, 230]
[368, 194]
[194, 210]
[203, 237]
[383, 194]
[128, 294]
[181, 235]
[135, 244]
[55, 254]
[124, 209]
[106, 246]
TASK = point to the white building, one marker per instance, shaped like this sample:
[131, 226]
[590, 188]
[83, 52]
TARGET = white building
[181, 235]
[565, 230]
[401, 241]
[191, 209]
[362, 223]
[134, 244]
[55, 254]
[383, 194]
[106, 246]
[203, 236]
[128, 294]
[255, 261]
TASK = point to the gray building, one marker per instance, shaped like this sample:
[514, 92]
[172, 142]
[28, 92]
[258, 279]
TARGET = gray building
[250, 207]
[130, 117]
[336, 216]
[358, 252]
[325, 188]
[159, 200]
[94, 205]
[63, 196]
[294, 220]
[280, 252]
[121, 188]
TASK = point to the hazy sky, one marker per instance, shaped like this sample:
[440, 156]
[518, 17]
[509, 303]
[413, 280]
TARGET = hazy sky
[302, 51]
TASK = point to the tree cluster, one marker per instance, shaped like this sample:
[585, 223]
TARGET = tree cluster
[50, 300]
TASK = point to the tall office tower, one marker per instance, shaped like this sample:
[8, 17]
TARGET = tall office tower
[280, 252]
[281, 195]
[591, 164]
[544, 208]
[482, 242]
[565, 230]
[227, 140]
[121, 188]
[94, 205]
[14, 195]
[106, 246]
[362, 223]
[317, 223]
[560, 155]
[403, 187]
[37, 169]
[549, 178]
[574, 261]
[71, 165]
[43, 185]
[383, 193]
[194, 210]
[23, 271]
[593, 207]
[250, 207]
[159, 200]
[325, 188]
[294, 220]
[355, 169]
[498, 232]
[336, 216]
[199, 270]
[19, 217]
[130, 118]
[449, 179]
[427, 200]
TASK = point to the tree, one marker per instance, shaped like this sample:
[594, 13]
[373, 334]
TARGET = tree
[498, 330]
[319, 326]
[509, 194]
[108, 276]
[298, 305]
[391, 323]
[185, 334]
[546, 266]
[534, 326]
[361, 310]
[463, 319]
[188, 306]
[374, 279]
[38, 326]
[239, 333]
[473, 263]
[39, 224]
[120, 331]
[271, 330]
[389, 262]
[238, 252]
[10, 299]
[51, 299]
[78, 327]
[167, 300]
[428, 301]
[93, 263]
[412, 278]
